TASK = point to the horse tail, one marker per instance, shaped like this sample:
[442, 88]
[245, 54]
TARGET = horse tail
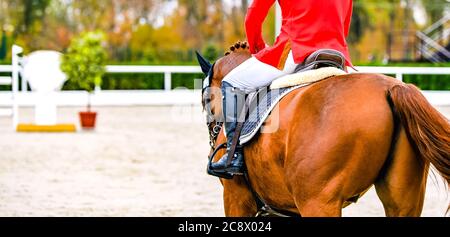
[427, 130]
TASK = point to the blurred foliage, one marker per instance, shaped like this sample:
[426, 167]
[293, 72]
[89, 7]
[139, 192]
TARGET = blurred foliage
[3, 45]
[211, 52]
[156, 31]
[162, 31]
[85, 60]
[359, 23]
[168, 32]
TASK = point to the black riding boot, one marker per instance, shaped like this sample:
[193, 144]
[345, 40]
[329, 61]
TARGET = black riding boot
[233, 103]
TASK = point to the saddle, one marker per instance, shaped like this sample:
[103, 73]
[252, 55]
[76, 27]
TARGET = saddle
[322, 58]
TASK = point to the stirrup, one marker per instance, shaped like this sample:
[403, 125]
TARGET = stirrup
[224, 175]
[227, 170]
[210, 160]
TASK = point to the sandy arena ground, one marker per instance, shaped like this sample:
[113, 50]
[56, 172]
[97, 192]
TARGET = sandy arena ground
[140, 161]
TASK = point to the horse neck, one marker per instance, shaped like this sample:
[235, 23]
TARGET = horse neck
[230, 62]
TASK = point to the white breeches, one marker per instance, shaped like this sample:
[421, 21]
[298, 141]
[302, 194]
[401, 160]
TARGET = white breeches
[253, 74]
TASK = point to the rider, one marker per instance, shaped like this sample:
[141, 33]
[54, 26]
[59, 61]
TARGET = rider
[307, 26]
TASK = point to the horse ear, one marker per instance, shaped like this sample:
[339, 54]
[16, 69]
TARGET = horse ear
[204, 64]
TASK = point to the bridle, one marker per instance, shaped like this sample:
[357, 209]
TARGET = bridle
[213, 125]
[214, 133]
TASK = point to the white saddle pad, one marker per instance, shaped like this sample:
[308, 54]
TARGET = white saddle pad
[306, 77]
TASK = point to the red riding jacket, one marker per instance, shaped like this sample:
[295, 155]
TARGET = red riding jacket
[307, 25]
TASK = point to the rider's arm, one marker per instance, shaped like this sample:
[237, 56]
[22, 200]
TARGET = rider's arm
[348, 19]
[254, 19]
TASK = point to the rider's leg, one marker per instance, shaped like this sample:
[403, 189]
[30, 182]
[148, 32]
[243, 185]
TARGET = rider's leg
[249, 76]
[252, 74]
[233, 104]
[289, 65]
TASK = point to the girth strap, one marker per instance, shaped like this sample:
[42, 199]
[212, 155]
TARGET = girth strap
[264, 209]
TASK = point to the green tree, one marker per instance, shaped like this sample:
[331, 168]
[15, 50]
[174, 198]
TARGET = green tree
[211, 52]
[360, 21]
[33, 10]
[84, 62]
[435, 9]
[3, 46]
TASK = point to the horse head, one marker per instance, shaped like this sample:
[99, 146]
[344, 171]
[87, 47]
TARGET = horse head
[214, 74]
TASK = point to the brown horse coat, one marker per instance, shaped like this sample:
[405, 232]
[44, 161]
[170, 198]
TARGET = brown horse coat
[336, 139]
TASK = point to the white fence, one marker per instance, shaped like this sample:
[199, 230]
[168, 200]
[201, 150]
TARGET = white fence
[400, 71]
[168, 96]
[169, 70]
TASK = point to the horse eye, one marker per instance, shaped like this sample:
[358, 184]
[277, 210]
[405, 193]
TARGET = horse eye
[207, 97]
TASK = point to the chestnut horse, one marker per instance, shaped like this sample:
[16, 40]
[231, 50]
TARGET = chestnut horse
[336, 139]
